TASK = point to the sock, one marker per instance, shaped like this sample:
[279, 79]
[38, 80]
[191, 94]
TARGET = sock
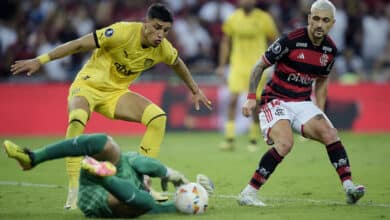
[254, 132]
[338, 157]
[267, 165]
[249, 189]
[79, 146]
[149, 166]
[77, 121]
[348, 184]
[230, 130]
[155, 119]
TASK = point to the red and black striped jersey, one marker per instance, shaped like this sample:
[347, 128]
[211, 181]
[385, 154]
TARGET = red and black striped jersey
[298, 63]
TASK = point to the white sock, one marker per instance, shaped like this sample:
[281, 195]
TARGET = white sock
[347, 184]
[250, 190]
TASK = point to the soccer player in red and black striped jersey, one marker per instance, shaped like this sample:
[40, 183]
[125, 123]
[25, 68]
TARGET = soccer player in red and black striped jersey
[302, 58]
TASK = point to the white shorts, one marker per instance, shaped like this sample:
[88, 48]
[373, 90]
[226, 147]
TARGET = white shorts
[298, 113]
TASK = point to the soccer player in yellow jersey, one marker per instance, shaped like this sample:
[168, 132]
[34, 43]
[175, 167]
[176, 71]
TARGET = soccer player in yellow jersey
[246, 35]
[121, 52]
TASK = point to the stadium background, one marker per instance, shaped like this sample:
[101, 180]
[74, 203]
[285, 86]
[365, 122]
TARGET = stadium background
[358, 94]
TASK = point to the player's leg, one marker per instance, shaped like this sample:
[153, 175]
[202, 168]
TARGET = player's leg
[134, 107]
[320, 128]
[126, 201]
[99, 146]
[276, 128]
[230, 127]
[78, 107]
[282, 136]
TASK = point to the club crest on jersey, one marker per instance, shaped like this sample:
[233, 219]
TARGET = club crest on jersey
[324, 59]
[148, 63]
[109, 32]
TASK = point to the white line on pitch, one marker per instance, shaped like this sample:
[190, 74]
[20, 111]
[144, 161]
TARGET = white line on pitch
[219, 196]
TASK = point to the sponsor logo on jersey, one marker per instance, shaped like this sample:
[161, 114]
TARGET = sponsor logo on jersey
[301, 56]
[109, 32]
[300, 78]
[122, 68]
[324, 59]
[327, 49]
[301, 44]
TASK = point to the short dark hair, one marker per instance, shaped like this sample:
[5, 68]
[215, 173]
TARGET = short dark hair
[160, 11]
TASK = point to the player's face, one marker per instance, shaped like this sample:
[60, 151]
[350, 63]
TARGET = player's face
[247, 4]
[155, 31]
[320, 22]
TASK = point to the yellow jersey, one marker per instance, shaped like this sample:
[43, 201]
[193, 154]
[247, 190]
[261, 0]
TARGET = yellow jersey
[249, 34]
[120, 58]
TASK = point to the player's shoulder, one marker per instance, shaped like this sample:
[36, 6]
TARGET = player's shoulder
[165, 44]
[127, 25]
[329, 42]
[296, 34]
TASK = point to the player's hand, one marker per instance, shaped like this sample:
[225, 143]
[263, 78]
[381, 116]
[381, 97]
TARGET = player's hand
[175, 177]
[200, 97]
[204, 181]
[30, 66]
[248, 107]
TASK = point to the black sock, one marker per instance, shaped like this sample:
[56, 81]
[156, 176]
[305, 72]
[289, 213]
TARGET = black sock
[267, 165]
[339, 159]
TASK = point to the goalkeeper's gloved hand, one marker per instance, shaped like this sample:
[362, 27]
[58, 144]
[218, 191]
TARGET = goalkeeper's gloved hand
[175, 177]
[207, 184]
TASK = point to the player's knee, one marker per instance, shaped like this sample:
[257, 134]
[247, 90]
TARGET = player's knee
[78, 116]
[154, 116]
[284, 146]
[329, 135]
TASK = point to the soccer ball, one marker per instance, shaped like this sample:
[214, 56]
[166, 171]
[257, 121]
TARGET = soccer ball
[191, 198]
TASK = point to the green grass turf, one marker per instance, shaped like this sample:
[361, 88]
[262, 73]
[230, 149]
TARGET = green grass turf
[304, 186]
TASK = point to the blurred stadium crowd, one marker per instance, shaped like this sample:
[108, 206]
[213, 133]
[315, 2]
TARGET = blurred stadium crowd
[28, 28]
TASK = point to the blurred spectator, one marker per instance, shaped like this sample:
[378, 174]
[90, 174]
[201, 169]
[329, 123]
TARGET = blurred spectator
[381, 67]
[194, 42]
[339, 29]
[216, 11]
[349, 67]
[375, 34]
[176, 6]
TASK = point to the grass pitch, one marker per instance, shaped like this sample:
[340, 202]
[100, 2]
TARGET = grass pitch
[304, 186]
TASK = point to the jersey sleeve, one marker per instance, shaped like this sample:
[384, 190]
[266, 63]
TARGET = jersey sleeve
[276, 51]
[169, 53]
[111, 36]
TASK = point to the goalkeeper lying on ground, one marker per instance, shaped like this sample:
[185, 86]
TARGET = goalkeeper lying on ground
[113, 187]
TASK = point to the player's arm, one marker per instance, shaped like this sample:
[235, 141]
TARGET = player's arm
[255, 77]
[30, 66]
[321, 91]
[224, 52]
[182, 71]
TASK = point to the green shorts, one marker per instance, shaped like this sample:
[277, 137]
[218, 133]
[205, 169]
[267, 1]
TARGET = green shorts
[93, 198]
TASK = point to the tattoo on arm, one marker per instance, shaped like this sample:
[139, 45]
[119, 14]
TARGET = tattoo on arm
[256, 74]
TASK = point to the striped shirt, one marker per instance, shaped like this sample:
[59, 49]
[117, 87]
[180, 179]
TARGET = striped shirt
[298, 63]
